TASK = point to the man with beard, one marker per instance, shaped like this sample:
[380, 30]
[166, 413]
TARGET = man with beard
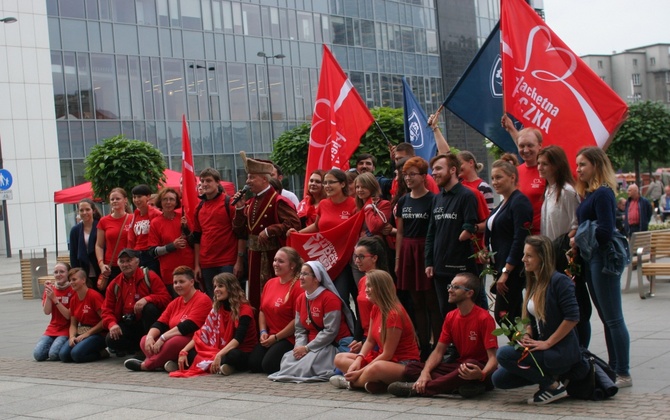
[469, 328]
[452, 225]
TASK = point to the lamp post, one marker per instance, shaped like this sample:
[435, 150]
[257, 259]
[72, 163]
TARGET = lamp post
[8, 19]
[267, 85]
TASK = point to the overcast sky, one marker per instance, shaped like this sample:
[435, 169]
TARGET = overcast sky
[603, 26]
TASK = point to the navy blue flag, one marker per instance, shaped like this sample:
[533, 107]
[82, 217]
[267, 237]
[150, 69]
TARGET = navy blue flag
[417, 132]
[477, 98]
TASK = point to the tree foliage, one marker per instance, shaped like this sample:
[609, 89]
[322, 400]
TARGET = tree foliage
[644, 137]
[290, 149]
[125, 163]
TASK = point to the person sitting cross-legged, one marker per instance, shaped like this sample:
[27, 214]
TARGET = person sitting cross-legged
[469, 328]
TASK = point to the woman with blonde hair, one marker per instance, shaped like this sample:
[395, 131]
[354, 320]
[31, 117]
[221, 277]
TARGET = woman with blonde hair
[605, 252]
[223, 344]
[470, 169]
[56, 303]
[112, 237]
[390, 345]
[551, 305]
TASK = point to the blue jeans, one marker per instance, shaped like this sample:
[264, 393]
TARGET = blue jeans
[509, 375]
[48, 347]
[87, 350]
[606, 295]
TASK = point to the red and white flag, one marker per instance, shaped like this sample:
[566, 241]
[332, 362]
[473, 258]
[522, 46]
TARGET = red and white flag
[547, 86]
[340, 119]
[333, 247]
[189, 194]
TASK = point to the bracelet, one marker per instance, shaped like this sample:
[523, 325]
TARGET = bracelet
[56, 303]
[241, 254]
[436, 128]
[163, 337]
[264, 331]
[183, 353]
[103, 262]
[359, 355]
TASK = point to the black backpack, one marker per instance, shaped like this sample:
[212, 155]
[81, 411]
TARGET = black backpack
[591, 378]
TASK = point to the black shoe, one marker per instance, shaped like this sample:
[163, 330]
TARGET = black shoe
[402, 389]
[545, 396]
[133, 364]
[471, 390]
[376, 387]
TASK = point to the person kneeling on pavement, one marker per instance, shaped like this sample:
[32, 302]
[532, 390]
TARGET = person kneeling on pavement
[469, 328]
[133, 302]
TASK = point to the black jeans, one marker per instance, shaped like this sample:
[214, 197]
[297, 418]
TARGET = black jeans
[132, 332]
[268, 359]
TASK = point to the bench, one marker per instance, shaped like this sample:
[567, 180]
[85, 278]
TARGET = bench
[640, 245]
[659, 247]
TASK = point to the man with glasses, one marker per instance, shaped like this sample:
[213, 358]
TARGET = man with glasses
[452, 225]
[469, 328]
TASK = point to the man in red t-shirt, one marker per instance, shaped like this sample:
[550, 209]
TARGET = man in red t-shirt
[469, 328]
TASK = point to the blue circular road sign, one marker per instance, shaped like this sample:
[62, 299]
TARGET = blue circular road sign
[5, 180]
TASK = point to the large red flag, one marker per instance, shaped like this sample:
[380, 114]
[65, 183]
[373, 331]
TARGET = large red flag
[547, 86]
[333, 248]
[340, 119]
[189, 195]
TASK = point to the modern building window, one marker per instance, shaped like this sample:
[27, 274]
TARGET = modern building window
[636, 79]
[635, 62]
[600, 64]
[652, 61]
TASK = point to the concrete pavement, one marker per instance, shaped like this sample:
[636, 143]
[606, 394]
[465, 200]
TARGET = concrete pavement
[29, 389]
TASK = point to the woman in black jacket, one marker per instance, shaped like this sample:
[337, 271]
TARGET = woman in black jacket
[82, 241]
[506, 229]
[549, 347]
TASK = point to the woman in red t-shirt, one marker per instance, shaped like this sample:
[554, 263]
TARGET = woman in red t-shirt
[315, 193]
[176, 325]
[223, 343]
[391, 341]
[276, 318]
[112, 237]
[86, 333]
[335, 209]
[167, 241]
[55, 302]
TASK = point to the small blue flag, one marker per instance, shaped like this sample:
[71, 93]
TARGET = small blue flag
[417, 132]
[477, 98]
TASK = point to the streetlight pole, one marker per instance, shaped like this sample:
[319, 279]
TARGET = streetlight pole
[267, 85]
[8, 245]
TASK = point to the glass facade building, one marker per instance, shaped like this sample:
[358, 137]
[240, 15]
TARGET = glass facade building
[133, 67]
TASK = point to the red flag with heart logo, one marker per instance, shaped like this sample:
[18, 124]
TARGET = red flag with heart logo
[547, 86]
[340, 119]
[333, 247]
[189, 199]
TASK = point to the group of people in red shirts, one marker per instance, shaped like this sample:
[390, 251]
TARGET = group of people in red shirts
[413, 278]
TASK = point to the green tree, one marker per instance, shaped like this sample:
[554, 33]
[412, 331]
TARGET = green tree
[644, 137]
[125, 163]
[290, 149]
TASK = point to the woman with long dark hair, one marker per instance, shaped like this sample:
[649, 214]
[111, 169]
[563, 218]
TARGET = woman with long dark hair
[315, 193]
[83, 237]
[550, 338]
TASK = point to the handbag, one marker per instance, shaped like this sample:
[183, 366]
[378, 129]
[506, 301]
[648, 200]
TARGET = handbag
[82, 329]
[103, 278]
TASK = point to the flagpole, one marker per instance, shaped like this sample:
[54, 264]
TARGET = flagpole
[437, 113]
[388, 142]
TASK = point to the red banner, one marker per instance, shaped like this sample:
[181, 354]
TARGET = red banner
[547, 86]
[189, 198]
[333, 248]
[340, 119]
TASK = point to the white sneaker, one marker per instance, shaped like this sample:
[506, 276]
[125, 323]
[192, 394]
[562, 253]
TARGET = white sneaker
[171, 366]
[338, 381]
[623, 381]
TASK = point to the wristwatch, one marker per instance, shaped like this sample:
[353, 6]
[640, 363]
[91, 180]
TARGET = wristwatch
[505, 270]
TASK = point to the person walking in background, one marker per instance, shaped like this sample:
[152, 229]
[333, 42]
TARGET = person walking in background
[654, 193]
[638, 211]
[664, 204]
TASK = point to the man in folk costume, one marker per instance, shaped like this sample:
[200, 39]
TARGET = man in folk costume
[264, 219]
